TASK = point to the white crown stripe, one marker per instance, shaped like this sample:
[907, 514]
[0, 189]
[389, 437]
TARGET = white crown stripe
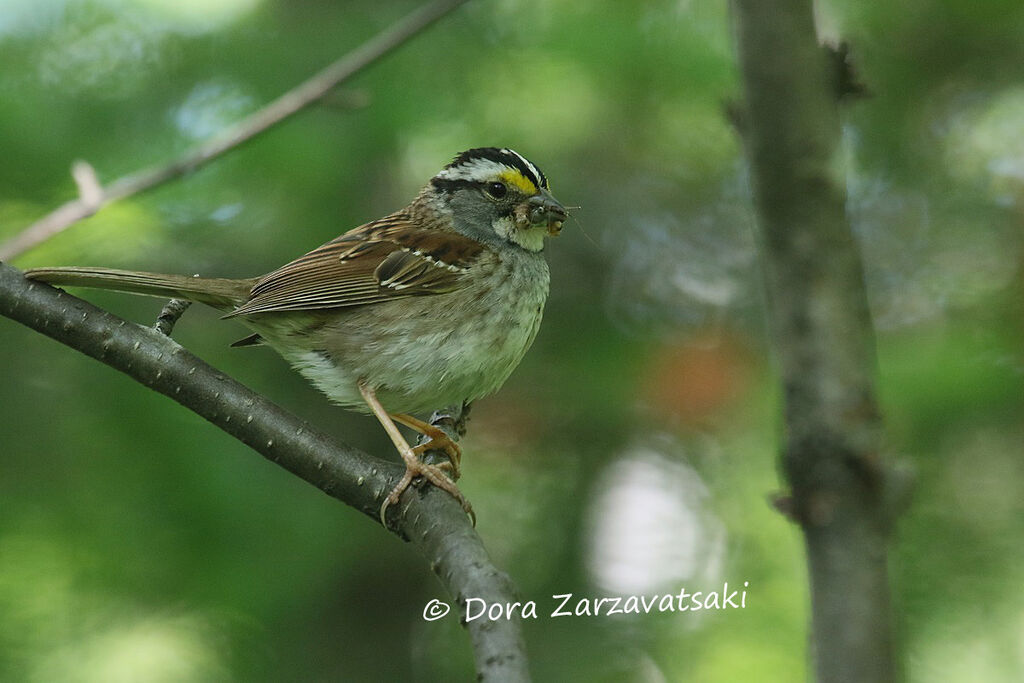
[477, 170]
[533, 169]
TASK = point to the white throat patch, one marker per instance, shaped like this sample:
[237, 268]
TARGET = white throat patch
[530, 239]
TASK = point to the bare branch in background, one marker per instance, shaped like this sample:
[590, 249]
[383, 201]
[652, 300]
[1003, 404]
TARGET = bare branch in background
[431, 519]
[93, 197]
[840, 484]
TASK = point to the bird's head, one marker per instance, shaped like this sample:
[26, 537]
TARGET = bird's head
[497, 195]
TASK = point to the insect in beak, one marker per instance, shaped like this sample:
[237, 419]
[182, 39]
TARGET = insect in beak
[541, 209]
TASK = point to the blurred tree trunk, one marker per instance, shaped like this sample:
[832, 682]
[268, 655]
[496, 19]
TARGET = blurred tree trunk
[822, 334]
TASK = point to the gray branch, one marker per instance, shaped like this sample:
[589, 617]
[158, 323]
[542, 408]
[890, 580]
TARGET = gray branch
[93, 196]
[430, 519]
[823, 337]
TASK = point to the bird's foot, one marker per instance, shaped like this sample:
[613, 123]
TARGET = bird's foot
[439, 441]
[414, 467]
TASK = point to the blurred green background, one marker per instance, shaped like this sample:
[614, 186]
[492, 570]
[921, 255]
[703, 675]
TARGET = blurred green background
[634, 450]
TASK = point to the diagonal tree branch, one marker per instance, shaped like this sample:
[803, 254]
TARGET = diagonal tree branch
[93, 197]
[430, 519]
[841, 487]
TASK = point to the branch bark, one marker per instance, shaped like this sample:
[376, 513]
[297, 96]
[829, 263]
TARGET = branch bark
[93, 197]
[430, 519]
[823, 337]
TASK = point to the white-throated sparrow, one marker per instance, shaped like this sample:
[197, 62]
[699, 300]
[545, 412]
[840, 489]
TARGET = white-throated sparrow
[429, 307]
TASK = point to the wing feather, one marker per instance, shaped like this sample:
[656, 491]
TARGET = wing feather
[383, 260]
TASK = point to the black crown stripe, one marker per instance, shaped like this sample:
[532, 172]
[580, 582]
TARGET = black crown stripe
[447, 185]
[501, 157]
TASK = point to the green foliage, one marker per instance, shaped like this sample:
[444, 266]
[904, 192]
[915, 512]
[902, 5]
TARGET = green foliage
[139, 543]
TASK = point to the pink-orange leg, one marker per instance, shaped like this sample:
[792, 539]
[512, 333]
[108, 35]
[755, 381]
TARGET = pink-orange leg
[414, 467]
[439, 441]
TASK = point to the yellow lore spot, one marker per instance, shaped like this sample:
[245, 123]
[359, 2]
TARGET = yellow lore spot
[516, 179]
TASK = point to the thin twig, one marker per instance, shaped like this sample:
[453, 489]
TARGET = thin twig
[430, 519]
[170, 314]
[291, 102]
[90, 191]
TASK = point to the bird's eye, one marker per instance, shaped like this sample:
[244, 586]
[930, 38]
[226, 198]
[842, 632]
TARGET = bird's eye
[496, 190]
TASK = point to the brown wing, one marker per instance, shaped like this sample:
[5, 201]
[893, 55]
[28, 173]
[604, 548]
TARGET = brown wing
[386, 259]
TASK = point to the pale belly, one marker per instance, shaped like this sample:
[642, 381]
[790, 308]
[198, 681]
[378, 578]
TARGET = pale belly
[427, 352]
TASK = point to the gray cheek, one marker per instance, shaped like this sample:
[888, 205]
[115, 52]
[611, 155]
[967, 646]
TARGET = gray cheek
[474, 216]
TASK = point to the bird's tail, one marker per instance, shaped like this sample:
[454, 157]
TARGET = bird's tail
[221, 293]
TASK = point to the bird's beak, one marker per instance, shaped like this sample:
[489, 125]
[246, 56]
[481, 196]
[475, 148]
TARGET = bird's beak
[542, 209]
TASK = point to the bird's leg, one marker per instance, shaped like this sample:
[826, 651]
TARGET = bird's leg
[452, 421]
[414, 467]
[439, 441]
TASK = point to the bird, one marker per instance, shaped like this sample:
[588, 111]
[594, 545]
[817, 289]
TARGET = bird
[429, 307]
